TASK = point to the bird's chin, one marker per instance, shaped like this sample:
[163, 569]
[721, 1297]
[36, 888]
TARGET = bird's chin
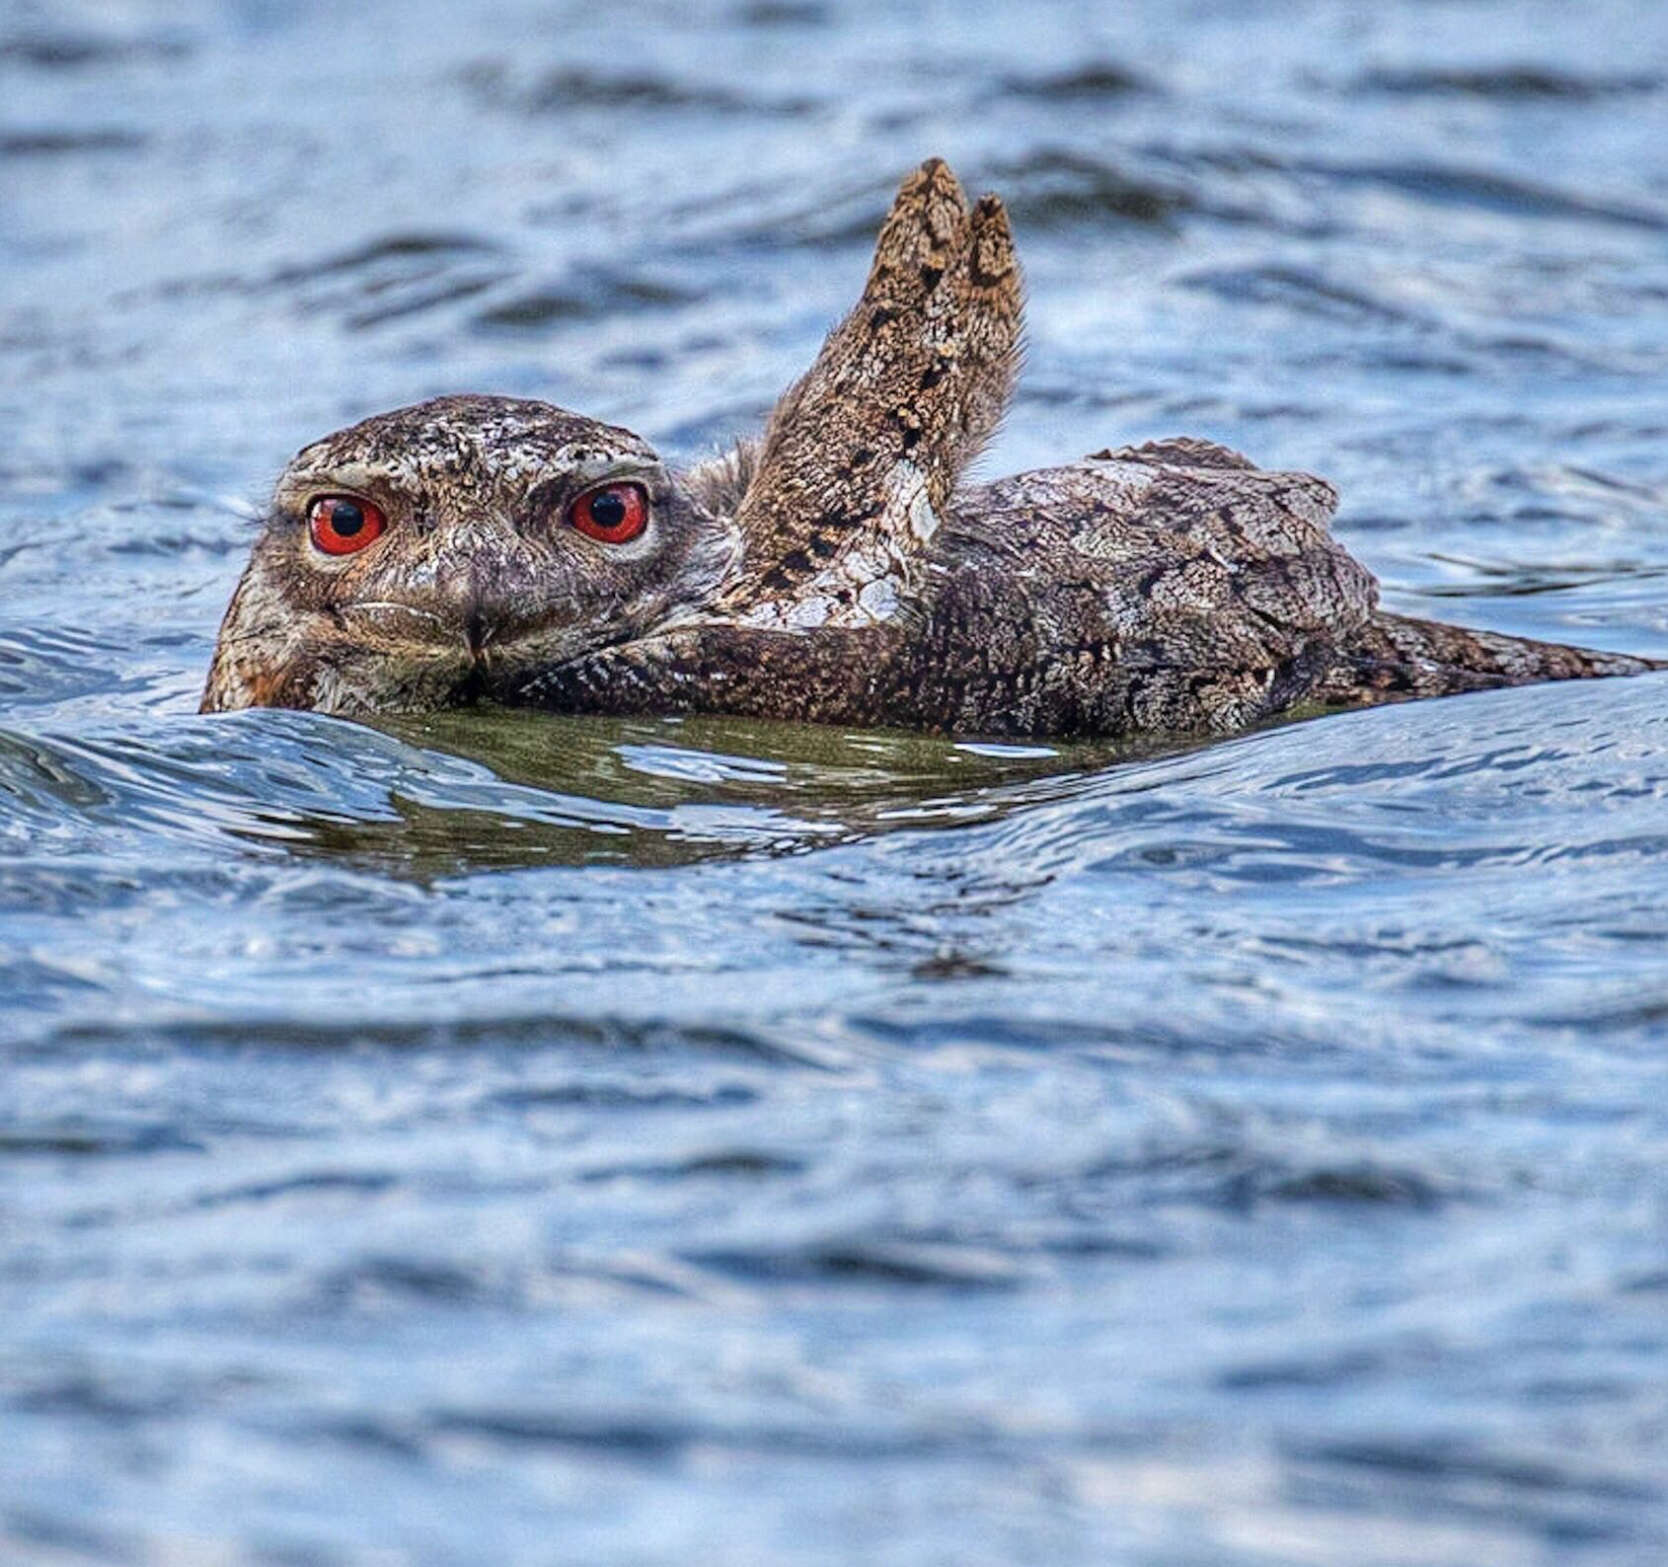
[419, 668]
[420, 682]
[426, 677]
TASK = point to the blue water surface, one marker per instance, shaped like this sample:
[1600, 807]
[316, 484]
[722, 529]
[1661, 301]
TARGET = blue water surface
[508, 1139]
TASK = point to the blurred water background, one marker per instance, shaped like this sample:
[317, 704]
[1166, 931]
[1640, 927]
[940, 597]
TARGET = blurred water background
[518, 1140]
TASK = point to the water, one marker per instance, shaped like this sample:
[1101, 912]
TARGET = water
[518, 1140]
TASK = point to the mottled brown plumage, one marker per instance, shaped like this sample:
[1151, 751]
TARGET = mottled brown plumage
[838, 570]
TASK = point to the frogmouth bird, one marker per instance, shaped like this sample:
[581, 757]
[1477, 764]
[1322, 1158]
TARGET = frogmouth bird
[838, 568]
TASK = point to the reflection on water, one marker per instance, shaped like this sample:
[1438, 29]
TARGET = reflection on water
[716, 1141]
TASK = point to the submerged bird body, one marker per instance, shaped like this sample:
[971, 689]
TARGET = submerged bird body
[838, 570]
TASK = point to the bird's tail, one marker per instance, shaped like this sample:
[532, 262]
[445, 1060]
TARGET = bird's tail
[1395, 658]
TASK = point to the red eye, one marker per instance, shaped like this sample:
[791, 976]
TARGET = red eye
[613, 513]
[339, 524]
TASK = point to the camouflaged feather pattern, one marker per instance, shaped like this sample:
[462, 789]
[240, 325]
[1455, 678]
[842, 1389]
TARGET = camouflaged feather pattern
[839, 569]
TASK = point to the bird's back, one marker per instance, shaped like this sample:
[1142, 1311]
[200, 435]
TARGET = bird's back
[1175, 587]
[1171, 586]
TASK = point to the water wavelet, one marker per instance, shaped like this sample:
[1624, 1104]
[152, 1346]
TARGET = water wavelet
[717, 1142]
[713, 787]
[1506, 82]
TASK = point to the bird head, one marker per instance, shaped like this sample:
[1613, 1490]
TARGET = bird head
[436, 551]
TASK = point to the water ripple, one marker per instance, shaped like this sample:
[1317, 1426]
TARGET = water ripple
[723, 1141]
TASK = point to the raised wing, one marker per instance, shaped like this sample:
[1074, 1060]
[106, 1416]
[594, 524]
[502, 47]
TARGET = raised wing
[862, 454]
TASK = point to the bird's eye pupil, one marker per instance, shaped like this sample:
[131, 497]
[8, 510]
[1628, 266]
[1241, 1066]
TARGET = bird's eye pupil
[612, 513]
[346, 518]
[608, 510]
[339, 525]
